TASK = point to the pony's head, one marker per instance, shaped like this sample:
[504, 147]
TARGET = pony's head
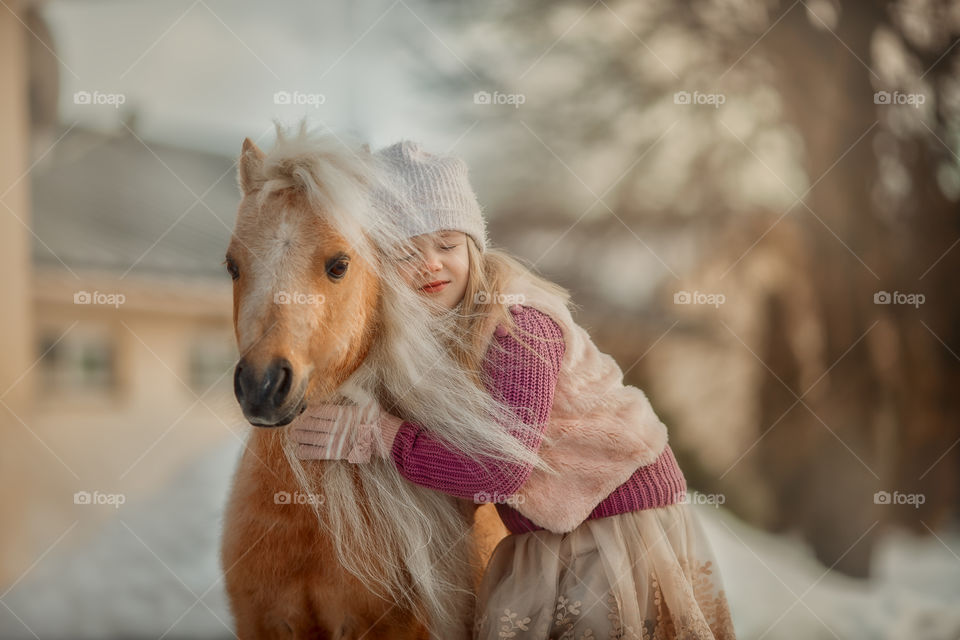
[305, 286]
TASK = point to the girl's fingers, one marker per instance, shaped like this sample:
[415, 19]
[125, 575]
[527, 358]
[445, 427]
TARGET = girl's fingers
[311, 437]
[318, 423]
[317, 452]
[309, 452]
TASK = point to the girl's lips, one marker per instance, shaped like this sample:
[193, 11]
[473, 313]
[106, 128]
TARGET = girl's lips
[434, 288]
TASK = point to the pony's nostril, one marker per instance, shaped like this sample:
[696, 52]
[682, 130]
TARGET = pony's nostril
[237, 385]
[284, 381]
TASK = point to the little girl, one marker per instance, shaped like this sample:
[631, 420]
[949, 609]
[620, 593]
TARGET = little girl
[606, 548]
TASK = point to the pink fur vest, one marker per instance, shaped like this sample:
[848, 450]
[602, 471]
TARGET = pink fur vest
[599, 430]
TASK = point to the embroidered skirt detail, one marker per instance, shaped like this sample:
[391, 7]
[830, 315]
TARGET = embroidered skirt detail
[640, 575]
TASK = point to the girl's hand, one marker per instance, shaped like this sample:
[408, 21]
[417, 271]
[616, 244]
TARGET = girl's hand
[344, 432]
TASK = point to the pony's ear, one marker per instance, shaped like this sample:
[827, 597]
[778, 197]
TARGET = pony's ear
[250, 171]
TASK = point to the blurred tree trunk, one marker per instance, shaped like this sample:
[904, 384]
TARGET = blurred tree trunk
[880, 417]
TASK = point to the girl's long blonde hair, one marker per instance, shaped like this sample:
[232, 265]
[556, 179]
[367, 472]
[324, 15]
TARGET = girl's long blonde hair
[486, 303]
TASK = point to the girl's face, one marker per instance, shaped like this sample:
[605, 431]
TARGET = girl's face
[440, 267]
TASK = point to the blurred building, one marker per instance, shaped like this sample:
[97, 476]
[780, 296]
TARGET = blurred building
[117, 330]
[15, 313]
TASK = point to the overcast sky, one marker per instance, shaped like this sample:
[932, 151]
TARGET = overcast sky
[205, 73]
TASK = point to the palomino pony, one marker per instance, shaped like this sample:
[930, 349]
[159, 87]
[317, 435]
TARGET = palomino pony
[331, 549]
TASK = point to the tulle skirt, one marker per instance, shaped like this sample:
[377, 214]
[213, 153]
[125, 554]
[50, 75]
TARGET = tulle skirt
[640, 575]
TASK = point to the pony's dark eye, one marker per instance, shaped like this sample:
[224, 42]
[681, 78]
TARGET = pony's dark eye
[338, 268]
[232, 268]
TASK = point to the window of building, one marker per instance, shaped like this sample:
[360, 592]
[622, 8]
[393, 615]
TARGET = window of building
[79, 361]
[212, 357]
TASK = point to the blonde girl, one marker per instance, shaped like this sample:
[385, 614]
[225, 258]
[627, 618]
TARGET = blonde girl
[602, 543]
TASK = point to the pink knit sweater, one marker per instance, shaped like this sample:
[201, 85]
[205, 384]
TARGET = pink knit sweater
[526, 383]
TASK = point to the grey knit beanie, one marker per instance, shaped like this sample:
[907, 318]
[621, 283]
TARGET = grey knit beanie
[430, 192]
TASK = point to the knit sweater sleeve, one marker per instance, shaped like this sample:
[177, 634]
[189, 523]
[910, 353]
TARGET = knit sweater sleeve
[523, 381]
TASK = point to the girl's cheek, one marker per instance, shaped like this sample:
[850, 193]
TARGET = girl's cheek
[407, 274]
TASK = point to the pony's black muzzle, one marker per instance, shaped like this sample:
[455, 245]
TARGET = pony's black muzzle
[267, 398]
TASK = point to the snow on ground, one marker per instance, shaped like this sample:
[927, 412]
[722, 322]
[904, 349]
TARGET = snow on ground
[777, 588]
[142, 577]
[154, 572]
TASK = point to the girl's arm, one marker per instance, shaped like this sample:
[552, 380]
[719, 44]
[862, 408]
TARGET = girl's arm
[523, 381]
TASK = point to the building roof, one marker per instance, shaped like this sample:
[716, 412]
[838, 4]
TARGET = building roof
[111, 202]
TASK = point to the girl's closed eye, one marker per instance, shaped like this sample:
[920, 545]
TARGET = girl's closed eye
[447, 243]
[409, 256]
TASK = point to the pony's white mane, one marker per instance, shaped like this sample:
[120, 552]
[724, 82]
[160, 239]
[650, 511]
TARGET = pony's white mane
[407, 543]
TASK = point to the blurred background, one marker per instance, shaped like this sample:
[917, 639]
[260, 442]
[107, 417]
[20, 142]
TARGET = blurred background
[754, 203]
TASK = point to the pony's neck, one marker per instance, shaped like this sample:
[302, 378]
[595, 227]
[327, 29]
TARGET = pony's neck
[267, 460]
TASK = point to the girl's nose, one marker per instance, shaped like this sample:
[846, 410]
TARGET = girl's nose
[430, 263]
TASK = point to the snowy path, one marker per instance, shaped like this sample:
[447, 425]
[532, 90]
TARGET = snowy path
[154, 572]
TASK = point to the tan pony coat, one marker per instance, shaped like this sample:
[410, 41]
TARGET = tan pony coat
[329, 549]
